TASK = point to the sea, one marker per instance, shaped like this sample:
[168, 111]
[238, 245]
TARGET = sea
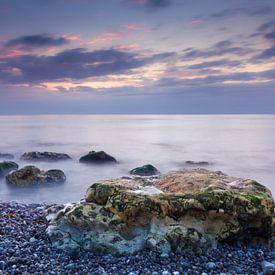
[238, 145]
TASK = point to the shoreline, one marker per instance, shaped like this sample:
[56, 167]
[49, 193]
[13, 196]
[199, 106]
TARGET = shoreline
[25, 249]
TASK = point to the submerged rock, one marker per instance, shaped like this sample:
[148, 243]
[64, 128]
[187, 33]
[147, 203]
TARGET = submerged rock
[192, 211]
[199, 163]
[6, 167]
[30, 175]
[99, 157]
[44, 156]
[6, 156]
[145, 170]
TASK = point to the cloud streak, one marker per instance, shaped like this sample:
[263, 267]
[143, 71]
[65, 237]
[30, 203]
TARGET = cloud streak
[69, 64]
[36, 41]
[219, 49]
[151, 5]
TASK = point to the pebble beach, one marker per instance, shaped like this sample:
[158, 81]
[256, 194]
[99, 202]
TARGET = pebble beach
[26, 249]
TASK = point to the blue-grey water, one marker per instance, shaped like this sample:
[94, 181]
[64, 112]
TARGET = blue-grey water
[240, 145]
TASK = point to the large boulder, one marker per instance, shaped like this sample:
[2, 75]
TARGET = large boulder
[6, 156]
[6, 167]
[187, 211]
[99, 157]
[30, 175]
[145, 170]
[44, 156]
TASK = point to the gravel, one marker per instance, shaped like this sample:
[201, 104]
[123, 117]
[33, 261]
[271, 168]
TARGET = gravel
[25, 249]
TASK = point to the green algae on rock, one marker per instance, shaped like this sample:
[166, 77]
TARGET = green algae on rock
[145, 170]
[182, 211]
[6, 167]
[30, 175]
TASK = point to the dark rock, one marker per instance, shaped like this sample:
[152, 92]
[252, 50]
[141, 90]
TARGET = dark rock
[191, 162]
[99, 157]
[30, 175]
[6, 156]
[145, 170]
[44, 156]
[55, 175]
[6, 167]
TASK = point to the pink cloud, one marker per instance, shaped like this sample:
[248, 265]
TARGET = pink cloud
[140, 2]
[11, 53]
[106, 38]
[133, 27]
[128, 47]
[71, 38]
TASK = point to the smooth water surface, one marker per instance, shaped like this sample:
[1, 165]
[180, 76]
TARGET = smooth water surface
[240, 145]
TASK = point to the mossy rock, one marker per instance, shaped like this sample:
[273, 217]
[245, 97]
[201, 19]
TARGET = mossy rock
[6, 167]
[30, 175]
[193, 210]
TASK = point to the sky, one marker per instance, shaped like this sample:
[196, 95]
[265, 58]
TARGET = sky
[137, 57]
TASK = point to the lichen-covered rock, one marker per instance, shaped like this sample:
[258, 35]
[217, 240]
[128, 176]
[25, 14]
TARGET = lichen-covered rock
[188, 212]
[145, 170]
[99, 157]
[30, 175]
[44, 156]
[6, 167]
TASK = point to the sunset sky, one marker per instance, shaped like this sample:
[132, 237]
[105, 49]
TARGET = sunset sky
[137, 56]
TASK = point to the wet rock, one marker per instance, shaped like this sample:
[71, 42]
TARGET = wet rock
[197, 163]
[44, 156]
[210, 265]
[6, 156]
[145, 170]
[99, 157]
[54, 175]
[268, 268]
[30, 175]
[193, 211]
[6, 167]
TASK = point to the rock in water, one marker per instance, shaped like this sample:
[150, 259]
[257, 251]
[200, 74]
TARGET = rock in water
[193, 210]
[199, 163]
[6, 156]
[145, 170]
[99, 157]
[6, 167]
[30, 175]
[44, 156]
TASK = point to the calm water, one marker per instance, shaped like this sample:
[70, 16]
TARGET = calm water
[238, 145]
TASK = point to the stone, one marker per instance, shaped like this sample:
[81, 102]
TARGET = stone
[6, 167]
[198, 163]
[193, 211]
[6, 156]
[145, 170]
[268, 268]
[210, 265]
[99, 157]
[30, 175]
[54, 175]
[44, 156]
[2, 265]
